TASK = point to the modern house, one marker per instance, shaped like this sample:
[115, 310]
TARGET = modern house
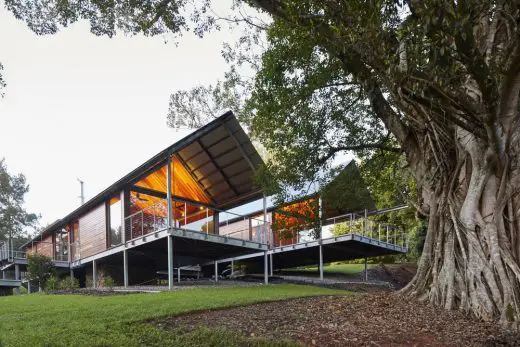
[175, 211]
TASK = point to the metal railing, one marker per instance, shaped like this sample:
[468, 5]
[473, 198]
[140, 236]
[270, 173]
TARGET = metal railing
[9, 254]
[352, 223]
[196, 217]
[357, 224]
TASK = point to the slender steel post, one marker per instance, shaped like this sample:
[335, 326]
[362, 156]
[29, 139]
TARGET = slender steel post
[170, 262]
[169, 190]
[94, 274]
[71, 273]
[29, 287]
[320, 215]
[125, 268]
[170, 218]
[3, 275]
[321, 262]
[232, 267]
[266, 265]
[179, 274]
[216, 271]
[366, 269]
[122, 198]
[271, 261]
[264, 236]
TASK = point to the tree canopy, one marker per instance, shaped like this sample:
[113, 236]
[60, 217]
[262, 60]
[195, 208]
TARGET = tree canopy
[14, 219]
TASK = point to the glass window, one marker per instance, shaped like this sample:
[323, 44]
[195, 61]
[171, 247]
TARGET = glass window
[74, 241]
[62, 245]
[115, 222]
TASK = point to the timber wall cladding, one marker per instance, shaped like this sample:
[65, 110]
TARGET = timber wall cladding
[92, 232]
[43, 247]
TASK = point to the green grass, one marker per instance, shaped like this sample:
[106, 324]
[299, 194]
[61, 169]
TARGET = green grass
[342, 269]
[75, 320]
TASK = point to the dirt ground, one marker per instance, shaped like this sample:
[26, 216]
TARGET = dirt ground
[374, 316]
[382, 319]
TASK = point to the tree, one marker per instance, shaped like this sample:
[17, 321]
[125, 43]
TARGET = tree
[40, 268]
[439, 78]
[14, 219]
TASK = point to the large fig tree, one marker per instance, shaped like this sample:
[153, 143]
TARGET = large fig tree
[437, 80]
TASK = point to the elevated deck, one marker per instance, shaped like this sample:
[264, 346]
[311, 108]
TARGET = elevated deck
[10, 283]
[191, 243]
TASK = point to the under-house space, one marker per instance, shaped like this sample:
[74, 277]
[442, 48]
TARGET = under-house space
[174, 215]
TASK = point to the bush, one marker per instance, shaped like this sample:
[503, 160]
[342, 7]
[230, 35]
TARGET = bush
[51, 284]
[108, 282]
[68, 283]
[22, 291]
[89, 283]
[40, 268]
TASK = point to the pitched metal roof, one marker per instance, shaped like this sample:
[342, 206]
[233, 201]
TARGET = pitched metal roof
[219, 155]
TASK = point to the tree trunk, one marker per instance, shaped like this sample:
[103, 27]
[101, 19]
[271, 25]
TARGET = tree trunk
[471, 254]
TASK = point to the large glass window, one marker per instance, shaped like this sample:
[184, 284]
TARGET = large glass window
[115, 226]
[62, 245]
[74, 241]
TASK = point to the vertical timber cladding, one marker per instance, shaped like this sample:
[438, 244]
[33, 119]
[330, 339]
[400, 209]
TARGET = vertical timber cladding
[42, 247]
[92, 231]
[45, 246]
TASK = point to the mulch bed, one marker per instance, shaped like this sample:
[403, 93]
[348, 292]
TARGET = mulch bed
[381, 319]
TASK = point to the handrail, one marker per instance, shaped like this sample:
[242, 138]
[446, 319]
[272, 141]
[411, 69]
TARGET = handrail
[152, 222]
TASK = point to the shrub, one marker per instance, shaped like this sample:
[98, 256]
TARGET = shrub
[51, 284]
[39, 268]
[108, 282]
[68, 283]
[89, 283]
[18, 291]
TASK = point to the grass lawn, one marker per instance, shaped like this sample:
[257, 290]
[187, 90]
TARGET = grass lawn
[342, 269]
[76, 320]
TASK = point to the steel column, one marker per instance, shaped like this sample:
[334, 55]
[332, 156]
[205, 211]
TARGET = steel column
[71, 273]
[3, 275]
[320, 216]
[94, 274]
[179, 274]
[216, 271]
[29, 287]
[170, 262]
[264, 201]
[366, 269]
[271, 261]
[232, 267]
[321, 261]
[17, 276]
[125, 268]
[266, 268]
[169, 190]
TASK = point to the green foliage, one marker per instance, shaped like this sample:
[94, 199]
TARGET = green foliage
[392, 185]
[51, 284]
[108, 282]
[89, 282]
[68, 283]
[14, 219]
[117, 320]
[40, 268]
[20, 291]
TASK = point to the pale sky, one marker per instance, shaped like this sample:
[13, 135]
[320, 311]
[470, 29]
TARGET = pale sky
[81, 106]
